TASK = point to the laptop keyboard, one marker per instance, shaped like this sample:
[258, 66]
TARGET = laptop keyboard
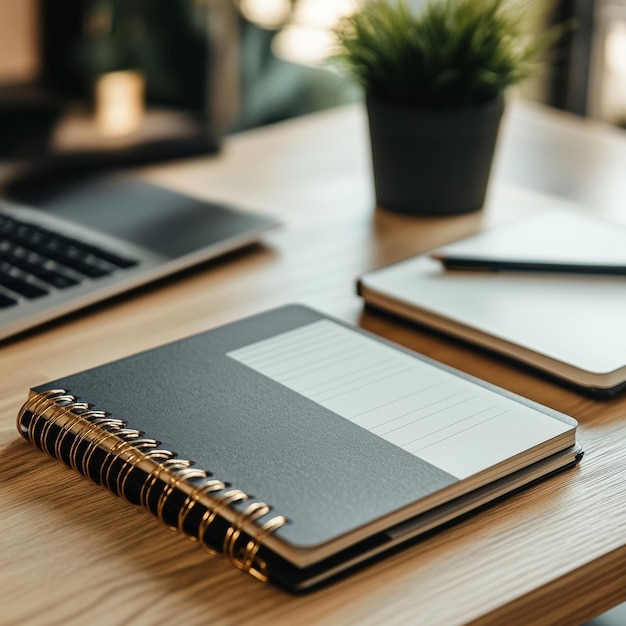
[35, 261]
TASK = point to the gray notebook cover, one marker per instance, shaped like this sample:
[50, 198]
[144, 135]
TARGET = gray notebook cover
[326, 475]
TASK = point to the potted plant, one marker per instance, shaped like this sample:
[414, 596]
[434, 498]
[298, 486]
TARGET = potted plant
[434, 82]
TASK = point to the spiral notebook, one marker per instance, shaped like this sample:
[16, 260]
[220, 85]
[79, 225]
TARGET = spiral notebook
[294, 444]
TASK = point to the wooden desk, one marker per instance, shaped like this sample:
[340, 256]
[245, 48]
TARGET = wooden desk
[72, 553]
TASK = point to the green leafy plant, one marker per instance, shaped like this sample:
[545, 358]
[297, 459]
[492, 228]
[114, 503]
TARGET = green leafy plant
[452, 54]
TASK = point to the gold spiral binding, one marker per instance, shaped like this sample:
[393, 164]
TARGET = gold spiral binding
[140, 445]
[115, 452]
[94, 443]
[36, 405]
[49, 423]
[72, 410]
[83, 435]
[129, 465]
[78, 422]
[153, 477]
[191, 501]
[186, 473]
[253, 565]
[252, 512]
[211, 514]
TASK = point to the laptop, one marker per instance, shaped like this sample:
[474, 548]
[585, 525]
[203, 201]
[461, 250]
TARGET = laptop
[103, 237]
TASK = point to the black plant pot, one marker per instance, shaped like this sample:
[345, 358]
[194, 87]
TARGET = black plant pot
[429, 161]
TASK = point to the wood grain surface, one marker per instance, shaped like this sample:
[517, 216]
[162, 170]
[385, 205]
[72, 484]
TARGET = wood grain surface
[74, 554]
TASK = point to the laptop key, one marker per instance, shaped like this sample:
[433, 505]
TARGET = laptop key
[109, 257]
[6, 302]
[18, 285]
[83, 258]
[34, 265]
[72, 257]
[52, 250]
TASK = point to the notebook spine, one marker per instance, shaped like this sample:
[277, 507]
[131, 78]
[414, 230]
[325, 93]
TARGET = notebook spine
[138, 469]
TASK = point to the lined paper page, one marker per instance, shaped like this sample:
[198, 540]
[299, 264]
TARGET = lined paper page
[445, 420]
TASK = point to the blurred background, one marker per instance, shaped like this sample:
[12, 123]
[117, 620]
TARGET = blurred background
[96, 83]
[136, 80]
[150, 78]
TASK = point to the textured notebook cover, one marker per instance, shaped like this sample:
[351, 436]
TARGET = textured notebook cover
[327, 475]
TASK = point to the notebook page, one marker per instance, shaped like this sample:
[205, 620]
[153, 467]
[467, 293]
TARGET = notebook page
[448, 421]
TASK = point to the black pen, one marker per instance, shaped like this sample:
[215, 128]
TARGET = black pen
[469, 263]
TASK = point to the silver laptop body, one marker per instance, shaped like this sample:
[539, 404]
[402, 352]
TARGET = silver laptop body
[101, 238]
